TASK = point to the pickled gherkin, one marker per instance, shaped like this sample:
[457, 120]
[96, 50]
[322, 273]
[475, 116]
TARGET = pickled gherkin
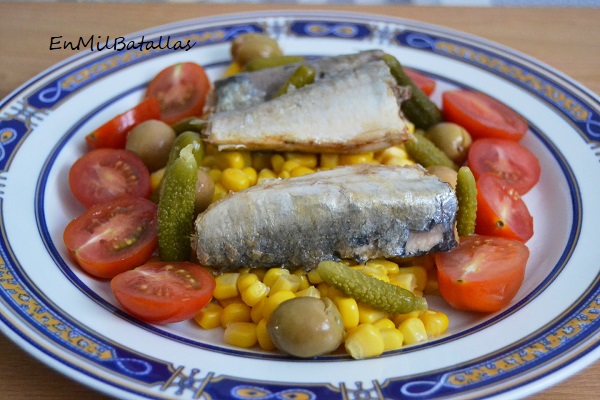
[369, 290]
[466, 193]
[423, 151]
[183, 140]
[302, 76]
[271, 62]
[193, 124]
[176, 207]
[419, 109]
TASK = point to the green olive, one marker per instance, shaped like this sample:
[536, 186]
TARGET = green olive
[446, 174]
[452, 139]
[151, 141]
[306, 327]
[250, 46]
[205, 189]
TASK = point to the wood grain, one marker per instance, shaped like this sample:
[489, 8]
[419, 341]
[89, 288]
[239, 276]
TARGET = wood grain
[564, 39]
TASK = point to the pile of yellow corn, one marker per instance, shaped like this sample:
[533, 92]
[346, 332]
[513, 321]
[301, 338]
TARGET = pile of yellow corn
[245, 300]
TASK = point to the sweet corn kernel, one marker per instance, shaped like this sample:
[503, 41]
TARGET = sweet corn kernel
[156, 178]
[290, 165]
[301, 171]
[262, 334]
[357, 158]
[226, 285]
[240, 334]
[384, 323]
[387, 267]
[364, 342]
[235, 179]
[261, 160]
[323, 288]
[219, 193]
[314, 277]
[420, 274]
[232, 69]
[274, 300]
[210, 161]
[304, 283]
[232, 159]
[398, 161]
[308, 160]
[432, 286]
[369, 315]
[413, 331]
[235, 312]
[405, 280]
[273, 274]
[435, 322]
[399, 318]
[348, 308]
[245, 279]
[232, 300]
[215, 175]
[255, 293]
[251, 174]
[210, 316]
[378, 273]
[392, 338]
[256, 313]
[329, 160]
[266, 174]
[286, 282]
[310, 291]
[284, 175]
[277, 162]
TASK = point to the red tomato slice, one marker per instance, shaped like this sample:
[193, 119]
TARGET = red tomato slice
[113, 134]
[113, 237]
[105, 174]
[164, 292]
[501, 211]
[482, 116]
[426, 84]
[483, 273]
[181, 90]
[510, 161]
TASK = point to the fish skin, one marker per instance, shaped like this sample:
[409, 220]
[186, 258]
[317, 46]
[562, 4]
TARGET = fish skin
[249, 89]
[354, 111]
[361, 212]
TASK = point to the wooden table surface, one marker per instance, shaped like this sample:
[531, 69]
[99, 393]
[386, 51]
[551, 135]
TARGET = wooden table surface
[565, 39]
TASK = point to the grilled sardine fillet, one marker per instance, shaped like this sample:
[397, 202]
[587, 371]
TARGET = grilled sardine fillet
[354, 111]
[360, 212]
[252, 88]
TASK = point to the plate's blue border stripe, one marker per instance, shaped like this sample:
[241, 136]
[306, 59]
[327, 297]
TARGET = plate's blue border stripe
[50, 104]
[562, 99]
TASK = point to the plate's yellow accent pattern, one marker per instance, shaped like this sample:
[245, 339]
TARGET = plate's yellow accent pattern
[62, 331]
[534, 351]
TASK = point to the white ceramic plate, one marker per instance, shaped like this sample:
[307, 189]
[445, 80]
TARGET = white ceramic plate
[71, 322]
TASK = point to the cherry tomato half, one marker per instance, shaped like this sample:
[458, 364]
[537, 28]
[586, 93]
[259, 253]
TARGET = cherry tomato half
[164, 292]
[510, 161]
[482, 116]
[501, 211]
[181, 90]
[113, 237]
[105, 174]
[426, 84]
[113, 134]
[483, 273]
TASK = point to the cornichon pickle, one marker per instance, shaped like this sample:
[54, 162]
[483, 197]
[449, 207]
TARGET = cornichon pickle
[419, 109]
[302, 76]
[423, 151]
[271, 62]
[466, 192]
[193, 124]
[182, 141]
[176, 207]
[371, 291]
